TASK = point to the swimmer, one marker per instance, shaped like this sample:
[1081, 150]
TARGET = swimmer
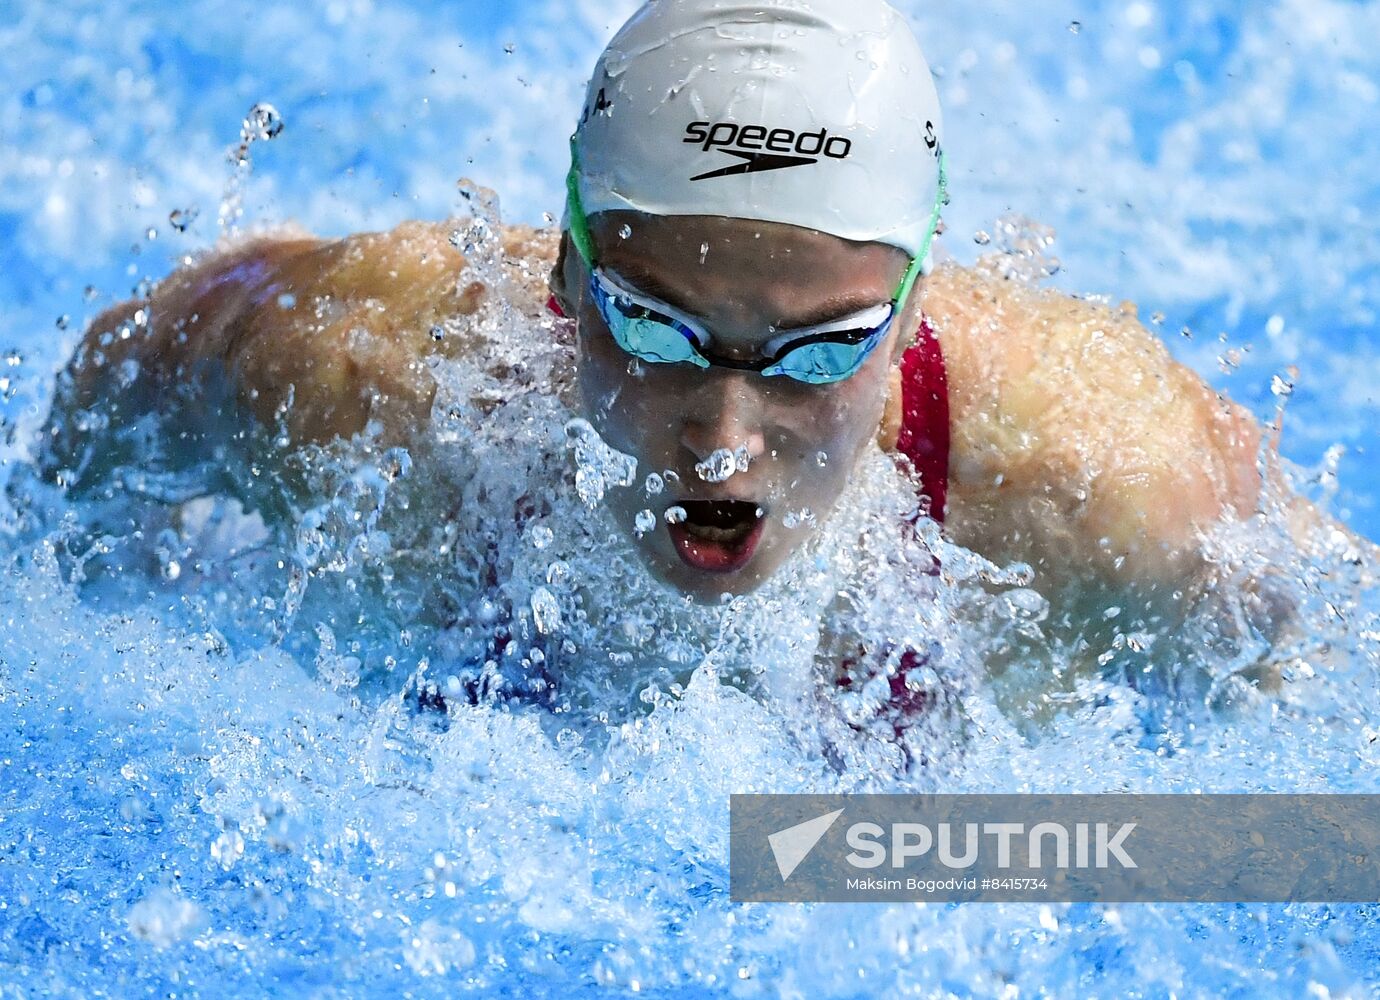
[747, 260]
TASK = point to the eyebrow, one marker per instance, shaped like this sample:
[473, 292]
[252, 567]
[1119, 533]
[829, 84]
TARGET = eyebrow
[834, 308]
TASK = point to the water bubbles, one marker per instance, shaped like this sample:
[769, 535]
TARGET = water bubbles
[546, 612]
[63, 321]
[625, 231]
[704, 252]
[558, 574]
[718, 467]
[434, 949]
[89, 293]
[1075, 27]
[634, 368]
[542, 537]
[162, 918]
[13, 359]
[742, 458]
[127, 372]
[150, 234]
[510, 48]
[438, 333]
[1157, 318]
[798, 519]
[676, 515]
[1274, 326]
[1281, 387]
[1022, 250]
[181, 218]
[287, 301]
[821, 458]
[473, 237]
[644, 522]
[654, 484]
[262, 123]
[982, 237]
[598, 466]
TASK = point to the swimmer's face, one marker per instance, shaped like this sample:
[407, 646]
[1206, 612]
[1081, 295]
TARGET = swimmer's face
[745, 282]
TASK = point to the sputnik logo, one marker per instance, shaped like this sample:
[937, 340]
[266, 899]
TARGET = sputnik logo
[794, 844]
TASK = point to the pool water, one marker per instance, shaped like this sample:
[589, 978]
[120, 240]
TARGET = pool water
[250, 744]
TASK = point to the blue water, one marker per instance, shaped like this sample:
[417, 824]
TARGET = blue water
[203, 793]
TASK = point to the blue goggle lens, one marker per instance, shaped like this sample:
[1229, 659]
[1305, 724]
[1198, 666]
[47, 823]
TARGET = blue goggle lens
[657, 338]
[644, 332]
[827, 361]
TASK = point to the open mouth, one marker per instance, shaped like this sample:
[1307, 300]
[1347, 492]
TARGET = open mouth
[718, 536]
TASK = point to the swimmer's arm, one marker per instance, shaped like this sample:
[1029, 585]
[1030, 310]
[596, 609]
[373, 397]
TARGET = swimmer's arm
[1079, 445]
[340, 329]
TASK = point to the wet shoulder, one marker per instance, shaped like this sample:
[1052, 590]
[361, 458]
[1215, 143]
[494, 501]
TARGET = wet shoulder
[350, 326]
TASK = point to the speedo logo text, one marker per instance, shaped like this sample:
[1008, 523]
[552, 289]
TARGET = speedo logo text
[760, 148]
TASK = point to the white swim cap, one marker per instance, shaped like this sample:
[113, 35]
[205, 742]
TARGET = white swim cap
[813, 113]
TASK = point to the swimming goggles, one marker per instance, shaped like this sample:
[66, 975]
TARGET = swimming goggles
[657, 333]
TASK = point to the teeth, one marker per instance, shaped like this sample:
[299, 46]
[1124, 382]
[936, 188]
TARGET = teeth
[713, 534]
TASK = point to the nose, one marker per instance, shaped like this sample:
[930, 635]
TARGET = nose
[724, 413]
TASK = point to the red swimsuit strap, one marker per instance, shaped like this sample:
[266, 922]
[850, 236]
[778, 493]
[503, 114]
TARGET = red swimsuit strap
[924, 437]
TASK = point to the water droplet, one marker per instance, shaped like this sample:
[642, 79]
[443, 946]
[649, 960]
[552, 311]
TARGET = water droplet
[982, 237]
[438, 333]
[287, 300]
[822, 459]
[150, 233]
[644, 522]
[548, 218]
[181, 218]
[262, 122]
[1075, 27]
[742, 458]
[676, 515]
[558, 574]
[546, 612]
[635, 367]
[718, 467]
[704, 252]
[598, 466]
[624, 231]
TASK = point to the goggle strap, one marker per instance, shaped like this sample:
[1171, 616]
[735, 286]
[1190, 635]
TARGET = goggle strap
[917, 263]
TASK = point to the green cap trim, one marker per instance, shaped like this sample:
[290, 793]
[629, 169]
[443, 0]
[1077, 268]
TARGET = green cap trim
[917, 263]
[579, 224]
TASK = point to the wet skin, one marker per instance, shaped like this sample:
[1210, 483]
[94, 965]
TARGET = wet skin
[753, 281]
[1078, 445]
